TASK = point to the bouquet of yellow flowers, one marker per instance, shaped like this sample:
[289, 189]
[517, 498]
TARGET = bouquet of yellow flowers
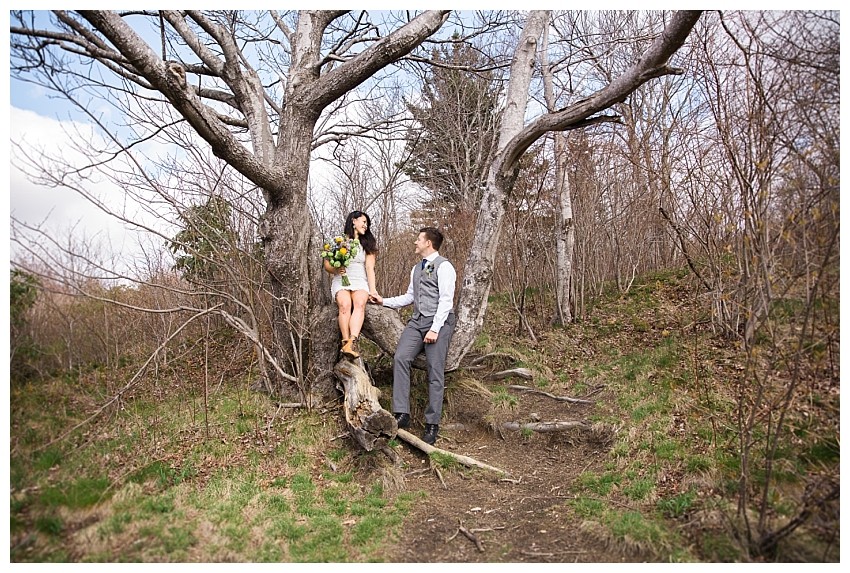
[339, 252]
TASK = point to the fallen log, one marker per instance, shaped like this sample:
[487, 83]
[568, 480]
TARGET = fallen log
[427, 448]
[371, 426]
[545, 426]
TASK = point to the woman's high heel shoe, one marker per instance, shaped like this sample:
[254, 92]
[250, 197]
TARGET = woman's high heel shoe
[348, 348]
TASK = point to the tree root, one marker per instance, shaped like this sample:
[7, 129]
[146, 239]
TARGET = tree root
[481, 359]
[546, 426]
[548, 395]
[523, 373]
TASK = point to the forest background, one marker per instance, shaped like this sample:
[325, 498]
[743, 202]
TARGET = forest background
[718, 175]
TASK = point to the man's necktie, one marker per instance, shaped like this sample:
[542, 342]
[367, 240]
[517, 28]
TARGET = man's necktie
[423, 264]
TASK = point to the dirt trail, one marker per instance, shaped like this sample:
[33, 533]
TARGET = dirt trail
[523, 518]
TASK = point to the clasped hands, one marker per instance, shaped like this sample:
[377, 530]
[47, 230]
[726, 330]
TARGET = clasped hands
[375, 298]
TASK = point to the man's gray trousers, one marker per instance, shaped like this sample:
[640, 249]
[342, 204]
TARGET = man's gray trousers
[410, 345]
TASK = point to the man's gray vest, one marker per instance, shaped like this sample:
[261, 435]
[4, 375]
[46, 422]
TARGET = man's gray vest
[426, 289]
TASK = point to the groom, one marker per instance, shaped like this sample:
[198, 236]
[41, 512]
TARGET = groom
[431, 290]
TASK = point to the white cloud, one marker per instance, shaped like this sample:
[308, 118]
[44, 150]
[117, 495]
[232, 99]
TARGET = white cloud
[59, 211]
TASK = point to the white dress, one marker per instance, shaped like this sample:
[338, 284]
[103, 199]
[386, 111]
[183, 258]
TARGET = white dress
[356, 273]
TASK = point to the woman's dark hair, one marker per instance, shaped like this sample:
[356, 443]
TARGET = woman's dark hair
[367, 239]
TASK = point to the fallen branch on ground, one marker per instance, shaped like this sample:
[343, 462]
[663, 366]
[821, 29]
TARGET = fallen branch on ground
[427, 448]
[471, 536]
[548, 395]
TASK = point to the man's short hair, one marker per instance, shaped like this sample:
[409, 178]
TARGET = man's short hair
[434, 235]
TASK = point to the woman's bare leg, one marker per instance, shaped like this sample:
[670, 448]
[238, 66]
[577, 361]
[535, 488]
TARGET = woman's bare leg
[343, 301]
[359, 298]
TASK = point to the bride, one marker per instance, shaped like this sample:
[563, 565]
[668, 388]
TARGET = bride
[351, 299]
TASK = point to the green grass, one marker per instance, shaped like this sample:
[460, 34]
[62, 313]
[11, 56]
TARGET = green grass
[184, 508]
[588, 508]
[163, 474]
[159, 504]
[635, 526]
[677, 505]
[502, 399]
[824, 451]
[444, 460]
[49, 524]
[599, 484]
[80, 493]
[697, 463]
[48, 458]
[639, 489]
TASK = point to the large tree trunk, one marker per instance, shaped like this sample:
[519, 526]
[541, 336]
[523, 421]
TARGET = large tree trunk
[304, 315]
[286, 234]
[565, 235]
[479, 264]
[564, 228]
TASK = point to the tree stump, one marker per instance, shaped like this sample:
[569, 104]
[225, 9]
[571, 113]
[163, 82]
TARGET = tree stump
[370, 425]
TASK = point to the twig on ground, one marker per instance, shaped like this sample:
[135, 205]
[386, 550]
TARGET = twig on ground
[390, 453]
[440, 475]
[271, 421]
[596, 390]
[472, 537]
[535, 554]
[331, 464]
[416, 472]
